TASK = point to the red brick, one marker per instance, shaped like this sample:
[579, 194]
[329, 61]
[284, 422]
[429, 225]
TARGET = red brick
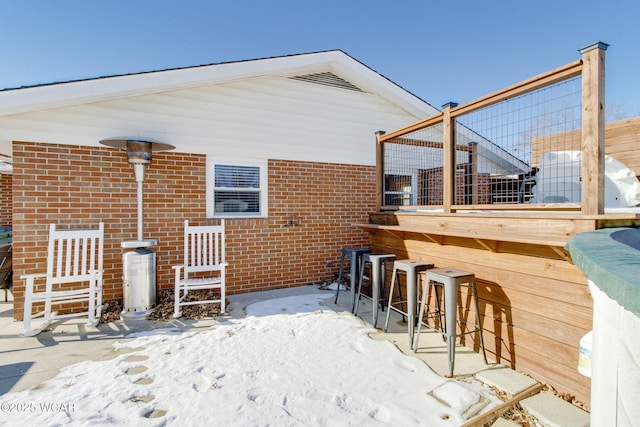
[79, 186]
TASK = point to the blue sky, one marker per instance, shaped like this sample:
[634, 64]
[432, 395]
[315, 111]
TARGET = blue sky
[440, 51]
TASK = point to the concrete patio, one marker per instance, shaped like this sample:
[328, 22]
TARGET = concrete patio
[28, 361]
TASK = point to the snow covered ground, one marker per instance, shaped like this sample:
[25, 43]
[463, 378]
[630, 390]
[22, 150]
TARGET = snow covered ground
[289, 362]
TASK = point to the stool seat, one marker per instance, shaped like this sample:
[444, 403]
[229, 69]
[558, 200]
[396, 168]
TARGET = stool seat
[378, 256]
[451, 279]
[412, 269]
[377, 266]
[353, 255]
[451, 273]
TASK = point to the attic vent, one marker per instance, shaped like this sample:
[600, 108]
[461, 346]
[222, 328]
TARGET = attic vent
[327, 79]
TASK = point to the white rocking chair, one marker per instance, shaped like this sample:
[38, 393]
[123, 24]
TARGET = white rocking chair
[204, 252]
[74, 275]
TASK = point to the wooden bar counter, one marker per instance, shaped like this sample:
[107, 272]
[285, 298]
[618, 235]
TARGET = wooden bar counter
[534, 303]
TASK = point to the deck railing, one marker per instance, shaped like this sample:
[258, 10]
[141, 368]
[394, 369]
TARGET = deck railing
[536, 145]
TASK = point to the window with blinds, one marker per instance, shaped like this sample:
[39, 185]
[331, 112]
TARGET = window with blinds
[237, 190]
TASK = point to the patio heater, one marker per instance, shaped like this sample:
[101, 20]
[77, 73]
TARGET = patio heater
[139, 262]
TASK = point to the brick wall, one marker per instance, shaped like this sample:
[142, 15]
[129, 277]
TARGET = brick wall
[431, 187]
[80, 186]
[324, 200]
[6, 198]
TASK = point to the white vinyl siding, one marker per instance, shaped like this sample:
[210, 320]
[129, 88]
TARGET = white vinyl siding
[266, 117]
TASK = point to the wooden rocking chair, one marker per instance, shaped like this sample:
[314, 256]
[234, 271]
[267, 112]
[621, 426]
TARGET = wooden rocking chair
[204, 265]
[74, 275]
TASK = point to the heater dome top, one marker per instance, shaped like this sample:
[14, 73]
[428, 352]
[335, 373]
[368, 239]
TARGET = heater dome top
[123, 142]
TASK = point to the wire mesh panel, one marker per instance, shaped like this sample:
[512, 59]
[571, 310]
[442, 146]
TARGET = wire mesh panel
[413, 168]
[522, 150]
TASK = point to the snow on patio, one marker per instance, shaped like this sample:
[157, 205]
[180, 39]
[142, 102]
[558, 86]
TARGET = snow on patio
[290, 362]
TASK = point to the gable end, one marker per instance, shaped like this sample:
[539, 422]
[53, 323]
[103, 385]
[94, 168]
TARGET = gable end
[327, 79]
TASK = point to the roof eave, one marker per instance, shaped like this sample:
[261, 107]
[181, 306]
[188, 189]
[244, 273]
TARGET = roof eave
[58, 95]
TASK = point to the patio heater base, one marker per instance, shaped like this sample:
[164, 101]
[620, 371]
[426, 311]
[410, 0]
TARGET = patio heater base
[139, 287]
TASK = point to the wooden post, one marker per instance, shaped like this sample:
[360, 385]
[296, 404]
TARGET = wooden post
[593, 59]
[379, 171]
[449, 161]
[473, 170]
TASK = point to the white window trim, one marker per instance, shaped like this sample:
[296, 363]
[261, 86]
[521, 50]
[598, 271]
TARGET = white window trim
[261, 163]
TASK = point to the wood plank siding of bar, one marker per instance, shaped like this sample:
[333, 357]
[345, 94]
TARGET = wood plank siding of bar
[534, 302]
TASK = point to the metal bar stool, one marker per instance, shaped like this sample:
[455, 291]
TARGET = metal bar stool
[377, 271]
[353, 255]
[412, 269]
[451, 279]
[438, 312]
